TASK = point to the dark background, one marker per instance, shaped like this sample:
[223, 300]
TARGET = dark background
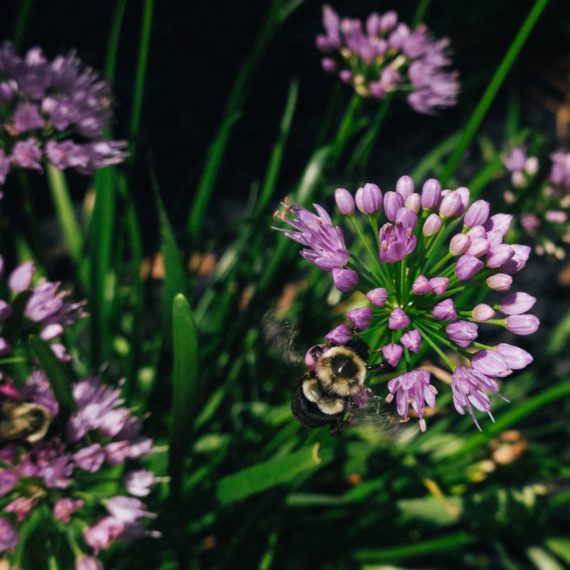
[197, 48]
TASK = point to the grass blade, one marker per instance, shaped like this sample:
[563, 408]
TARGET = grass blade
[492, 89]
[58, 375]
[268, 474]
[65, 213]
[185, 387]
[113, 42]
[22, 19]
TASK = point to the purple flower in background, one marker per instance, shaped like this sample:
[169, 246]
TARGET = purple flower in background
[414, 280]
[8, 535]
[383, 56]
[54, 111]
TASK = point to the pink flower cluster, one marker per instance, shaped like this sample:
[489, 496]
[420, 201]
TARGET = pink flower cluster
[59, 468]
[384, 56]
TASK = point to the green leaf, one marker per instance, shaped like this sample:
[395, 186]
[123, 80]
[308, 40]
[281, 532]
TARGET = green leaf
[185, 387]
[560, 545]
[559, 336]
[113, 41]
[441, 544]
[492, 89]
[542, 560]
[268, 474]
[58, 374]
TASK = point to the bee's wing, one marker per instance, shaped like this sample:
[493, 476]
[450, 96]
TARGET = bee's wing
[375, 415]
[282, 337]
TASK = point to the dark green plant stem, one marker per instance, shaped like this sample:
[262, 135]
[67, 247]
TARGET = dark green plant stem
[420, 14]
[22, 19]
[140, 77]
[492, 89]
[113, 42]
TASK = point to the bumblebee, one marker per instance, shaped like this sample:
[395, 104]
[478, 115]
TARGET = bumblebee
[23, 422]
[333, 385]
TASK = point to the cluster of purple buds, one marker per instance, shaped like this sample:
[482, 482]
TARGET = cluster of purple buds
[54, 111]
[414, 256]
[59, 470]
[383, 56]
[42, 307]
[545, 203]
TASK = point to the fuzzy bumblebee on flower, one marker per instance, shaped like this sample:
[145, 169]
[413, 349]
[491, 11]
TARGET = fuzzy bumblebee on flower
[426, 263]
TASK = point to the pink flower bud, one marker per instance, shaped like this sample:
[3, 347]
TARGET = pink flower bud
[431, 193]
[477, 214]
[450, 205]
[344, 201]
[377, 296]
[483, 312]
[8, 535]
[21, 278]
[369, 199]
[445, 311]
[523, 324]
[432, 225]
[494, 237]
[498, 255]
[517, 303]
[88, 563]
[499, 222]
[467, 267]
[392, 354]
[412, 340]
[458, 244]
[339, 335]
[405, 186]
[515, 357]
[5, 310]
[311, 357]
[360, 317]
[344, 279]
[438, 285]
[413, 202]
[499, 282]
[464, 195]
[421, 286]
[479, 247]
[490, 363]
[477, 232]
[462, 333]
[518, 261]
[398, 319]
[392, 203]
[407, 218]
[388, 21]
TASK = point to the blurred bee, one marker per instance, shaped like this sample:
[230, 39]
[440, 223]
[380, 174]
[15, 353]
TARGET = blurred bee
[23, 422]
[332, 391]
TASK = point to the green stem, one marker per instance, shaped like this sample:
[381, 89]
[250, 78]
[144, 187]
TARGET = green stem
[113, 42]
[442, 355]
[492, 89]
[346, 125]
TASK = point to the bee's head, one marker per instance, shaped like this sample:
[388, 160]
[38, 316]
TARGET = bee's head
[341, 371]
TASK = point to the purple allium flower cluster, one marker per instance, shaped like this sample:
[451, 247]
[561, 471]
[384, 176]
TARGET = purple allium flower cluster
[54, 111]
[383, 56]
[543, 205]
[59, 470]
[416, 268]
[43, 308]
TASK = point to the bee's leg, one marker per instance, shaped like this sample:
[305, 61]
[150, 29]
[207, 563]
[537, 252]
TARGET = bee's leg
[338, 424]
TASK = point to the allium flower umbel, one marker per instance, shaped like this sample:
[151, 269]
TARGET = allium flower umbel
[540, 195]
[53, 111]
[36, 306]
[417, 258]
[382, 56]
[59, 476]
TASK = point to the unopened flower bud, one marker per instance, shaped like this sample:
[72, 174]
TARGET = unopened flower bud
[377, 296]
[438, 285]
[462, 333]
[405, 186]
[445, 311]
[518, 261]
[516, 303]
[369, 199]
[432, 225]
[523, 324]
[450, 205]
[515, 357]
[498, 255]
[413, 202]
[467, 267]
[398, 319]
[312, 356]
[345, 279]
[339, 335]
[477, 214]
[431, 193]
[483, 312]
[477, 232]
[499, 222]
[421, 286]
[392, 203]
[360, 317]
[458, 244]
[479, 247]
[500, 282]
[464, 196]
[344, 201]
[490, 363]
[407, 218]
[412, 340]
[392, 354]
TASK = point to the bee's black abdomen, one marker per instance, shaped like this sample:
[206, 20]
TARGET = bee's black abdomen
[308, 413]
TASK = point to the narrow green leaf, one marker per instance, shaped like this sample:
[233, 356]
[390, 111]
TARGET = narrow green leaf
[65, 213]
[560, 545]
[559, 337]
[232, 111]
[492, 89]
[113, 42]
[274, 166]
[542, 560]
[432, 546]
[101, 232]
[185, 387]
[174, 273]
[140, 77]
[22, 19]
[268, 474]
[58, 374]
